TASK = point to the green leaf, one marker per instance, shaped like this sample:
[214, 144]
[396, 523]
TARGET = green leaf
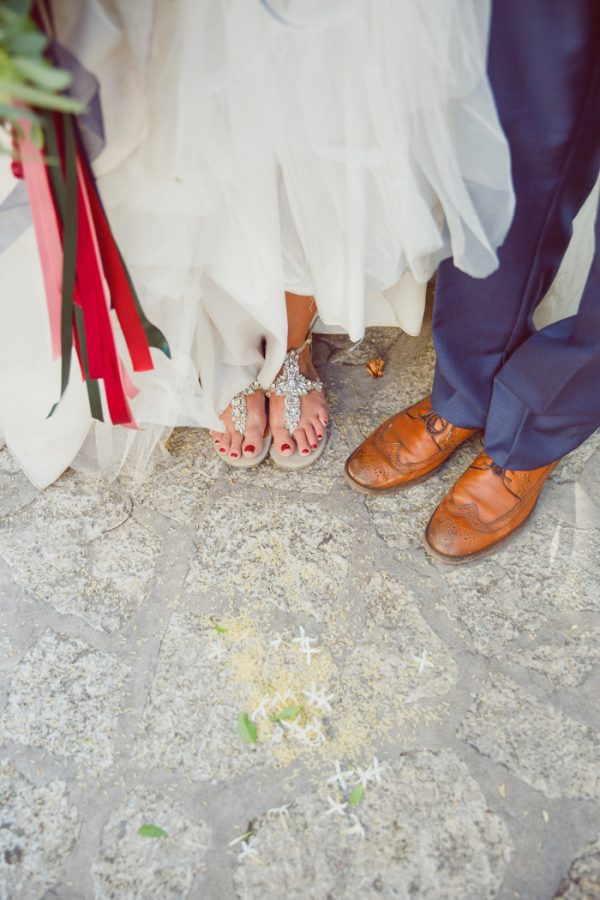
[288, 713]
[42, 73]
[220, 628]
[247, 729]
[152, 831]
[16, 113]
[29, 43]
[356, 795]
[37, 97]
[19, 8]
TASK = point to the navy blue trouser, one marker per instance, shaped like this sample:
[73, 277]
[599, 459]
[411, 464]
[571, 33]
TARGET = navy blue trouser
[536, 394]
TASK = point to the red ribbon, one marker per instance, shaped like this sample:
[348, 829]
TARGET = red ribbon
[118, 283]
[91, 295]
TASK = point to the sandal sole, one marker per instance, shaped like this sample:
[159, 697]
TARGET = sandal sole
[248, 462]
[296, 461]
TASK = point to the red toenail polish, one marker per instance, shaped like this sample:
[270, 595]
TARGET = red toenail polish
[320, 436]
[305, 451]
[222, 450]
[249, 448]
[285, 447]
[314, 446]
[234, 455]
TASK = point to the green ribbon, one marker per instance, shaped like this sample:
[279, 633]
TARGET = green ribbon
[154, 335]
[64, 188]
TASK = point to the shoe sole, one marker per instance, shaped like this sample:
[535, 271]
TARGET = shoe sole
[480, 554]
[395, 489]
[296, 461]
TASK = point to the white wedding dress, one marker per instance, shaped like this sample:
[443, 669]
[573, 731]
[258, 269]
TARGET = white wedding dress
[340, 148]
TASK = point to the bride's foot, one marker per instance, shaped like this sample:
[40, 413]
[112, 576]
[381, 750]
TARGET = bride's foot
[314, 415]
[231, 443]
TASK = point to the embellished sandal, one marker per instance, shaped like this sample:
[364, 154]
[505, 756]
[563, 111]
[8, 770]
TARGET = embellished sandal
[239, 417]
[292, 385]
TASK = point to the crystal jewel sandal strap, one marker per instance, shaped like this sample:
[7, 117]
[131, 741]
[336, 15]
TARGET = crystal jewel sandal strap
[239, 407]
[292, 385]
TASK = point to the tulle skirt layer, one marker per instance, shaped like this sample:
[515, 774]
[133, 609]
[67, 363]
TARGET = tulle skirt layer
[340, 149]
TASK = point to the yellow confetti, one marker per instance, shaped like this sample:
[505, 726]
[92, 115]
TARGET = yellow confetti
[502, 791]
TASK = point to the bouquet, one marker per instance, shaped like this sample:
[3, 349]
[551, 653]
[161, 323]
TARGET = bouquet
[85, 276]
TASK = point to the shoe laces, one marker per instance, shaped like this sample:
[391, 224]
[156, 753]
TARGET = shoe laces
[434, 423]
[495, 468]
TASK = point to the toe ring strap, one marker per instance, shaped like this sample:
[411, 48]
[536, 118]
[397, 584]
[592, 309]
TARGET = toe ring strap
[292, 385]
[239, 407]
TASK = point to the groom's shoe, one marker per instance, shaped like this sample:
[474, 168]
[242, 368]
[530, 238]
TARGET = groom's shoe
[485, 508]
[406, 449]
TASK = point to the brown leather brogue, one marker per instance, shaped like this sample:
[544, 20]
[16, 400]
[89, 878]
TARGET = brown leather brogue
[404, 450]
[485, 508]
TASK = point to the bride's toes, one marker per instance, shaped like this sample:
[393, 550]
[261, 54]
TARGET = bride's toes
[223, 443]
[302, 442]
[253, 442]
[311, 436]
[283, 441]
[235, 450]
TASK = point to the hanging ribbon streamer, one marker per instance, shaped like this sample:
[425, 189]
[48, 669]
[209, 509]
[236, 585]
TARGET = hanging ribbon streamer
[85, 276]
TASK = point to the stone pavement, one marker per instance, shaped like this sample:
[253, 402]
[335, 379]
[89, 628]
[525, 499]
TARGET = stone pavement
[411, 730]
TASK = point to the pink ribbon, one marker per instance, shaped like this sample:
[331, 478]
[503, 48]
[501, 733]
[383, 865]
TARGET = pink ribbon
[47, 230]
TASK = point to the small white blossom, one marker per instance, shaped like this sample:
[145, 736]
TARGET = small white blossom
[248, 852]
[422, 662]
[319, 699]
[261, 711]
[295, 730]
[278, 641]
[217, 650]
[339, 776]
[375, 770]
[313, 732]
[278, 734]
[335, 808]
[363, 776]
[305, 647]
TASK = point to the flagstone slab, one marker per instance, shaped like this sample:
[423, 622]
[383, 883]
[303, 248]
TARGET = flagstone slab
[556, 569]
[583, 879]
[318, 478]
[16, 491]
[376, 342]
[573, 465]
[428, 833]
[566, 662]
[547, 749]
[177, 486]
[38, 827]
[275, 551]
[396, 672]
[131, 865]
[77, 548]
[65, 697]
[189, 724]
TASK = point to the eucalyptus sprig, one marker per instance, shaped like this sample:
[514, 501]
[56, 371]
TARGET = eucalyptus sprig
[29, 81]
